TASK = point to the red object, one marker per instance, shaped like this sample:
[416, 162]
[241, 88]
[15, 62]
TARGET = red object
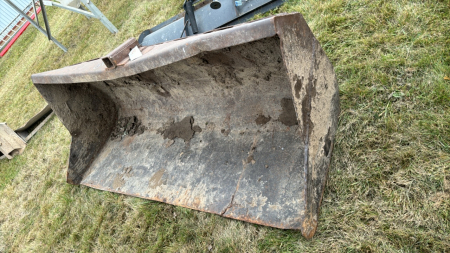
[24, 27]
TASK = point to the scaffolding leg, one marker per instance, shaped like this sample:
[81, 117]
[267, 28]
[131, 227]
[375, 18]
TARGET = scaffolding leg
[35, 12]
[36, 24]
[47, 26]
[100, 16]
[72, 9]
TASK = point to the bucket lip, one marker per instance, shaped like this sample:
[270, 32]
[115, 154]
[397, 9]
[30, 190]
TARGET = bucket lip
[165, 53]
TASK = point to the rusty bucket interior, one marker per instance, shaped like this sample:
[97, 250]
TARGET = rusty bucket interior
[239, 122]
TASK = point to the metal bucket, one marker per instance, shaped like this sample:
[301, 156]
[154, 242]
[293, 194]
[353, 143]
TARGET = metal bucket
[238, 122]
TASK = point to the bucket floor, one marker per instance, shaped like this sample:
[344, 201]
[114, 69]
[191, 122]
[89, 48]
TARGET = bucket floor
[247, 176]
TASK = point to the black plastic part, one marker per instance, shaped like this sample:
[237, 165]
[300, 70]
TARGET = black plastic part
[215, 5]
[190, 15]
[44, 14]
[143, 34]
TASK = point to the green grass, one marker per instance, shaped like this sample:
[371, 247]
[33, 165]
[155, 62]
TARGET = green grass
[389, 183]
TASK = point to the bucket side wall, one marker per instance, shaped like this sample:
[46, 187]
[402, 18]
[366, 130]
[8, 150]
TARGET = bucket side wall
[88, 114]
[316, 100]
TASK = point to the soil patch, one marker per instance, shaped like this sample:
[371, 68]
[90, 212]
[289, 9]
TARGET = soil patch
[182, 129]
[127, 126]
[288, 116]
[262, 120]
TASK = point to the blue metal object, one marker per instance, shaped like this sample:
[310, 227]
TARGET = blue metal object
[207, 19]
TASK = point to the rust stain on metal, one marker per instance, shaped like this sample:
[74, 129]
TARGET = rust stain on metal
[118, 181]
[244, 166]
[113, 59]
[127, 141]
[196, 202]
[169, 143]
[13, 142]
[309, 227]
[156, 180]
[10, 143]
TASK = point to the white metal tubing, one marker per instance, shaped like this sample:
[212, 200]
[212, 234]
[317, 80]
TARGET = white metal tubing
[100, 16]
[85, 13]
[35, 24]
[35, 12]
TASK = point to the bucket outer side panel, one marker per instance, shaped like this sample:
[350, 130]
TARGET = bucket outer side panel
[316, 100]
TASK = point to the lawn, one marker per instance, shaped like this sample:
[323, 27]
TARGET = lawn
[388, 188]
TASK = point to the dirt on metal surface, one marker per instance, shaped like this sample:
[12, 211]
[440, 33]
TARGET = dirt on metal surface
[183, 129]
[127, 126]
[262, 120]
[288, 116]
[239, 122]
